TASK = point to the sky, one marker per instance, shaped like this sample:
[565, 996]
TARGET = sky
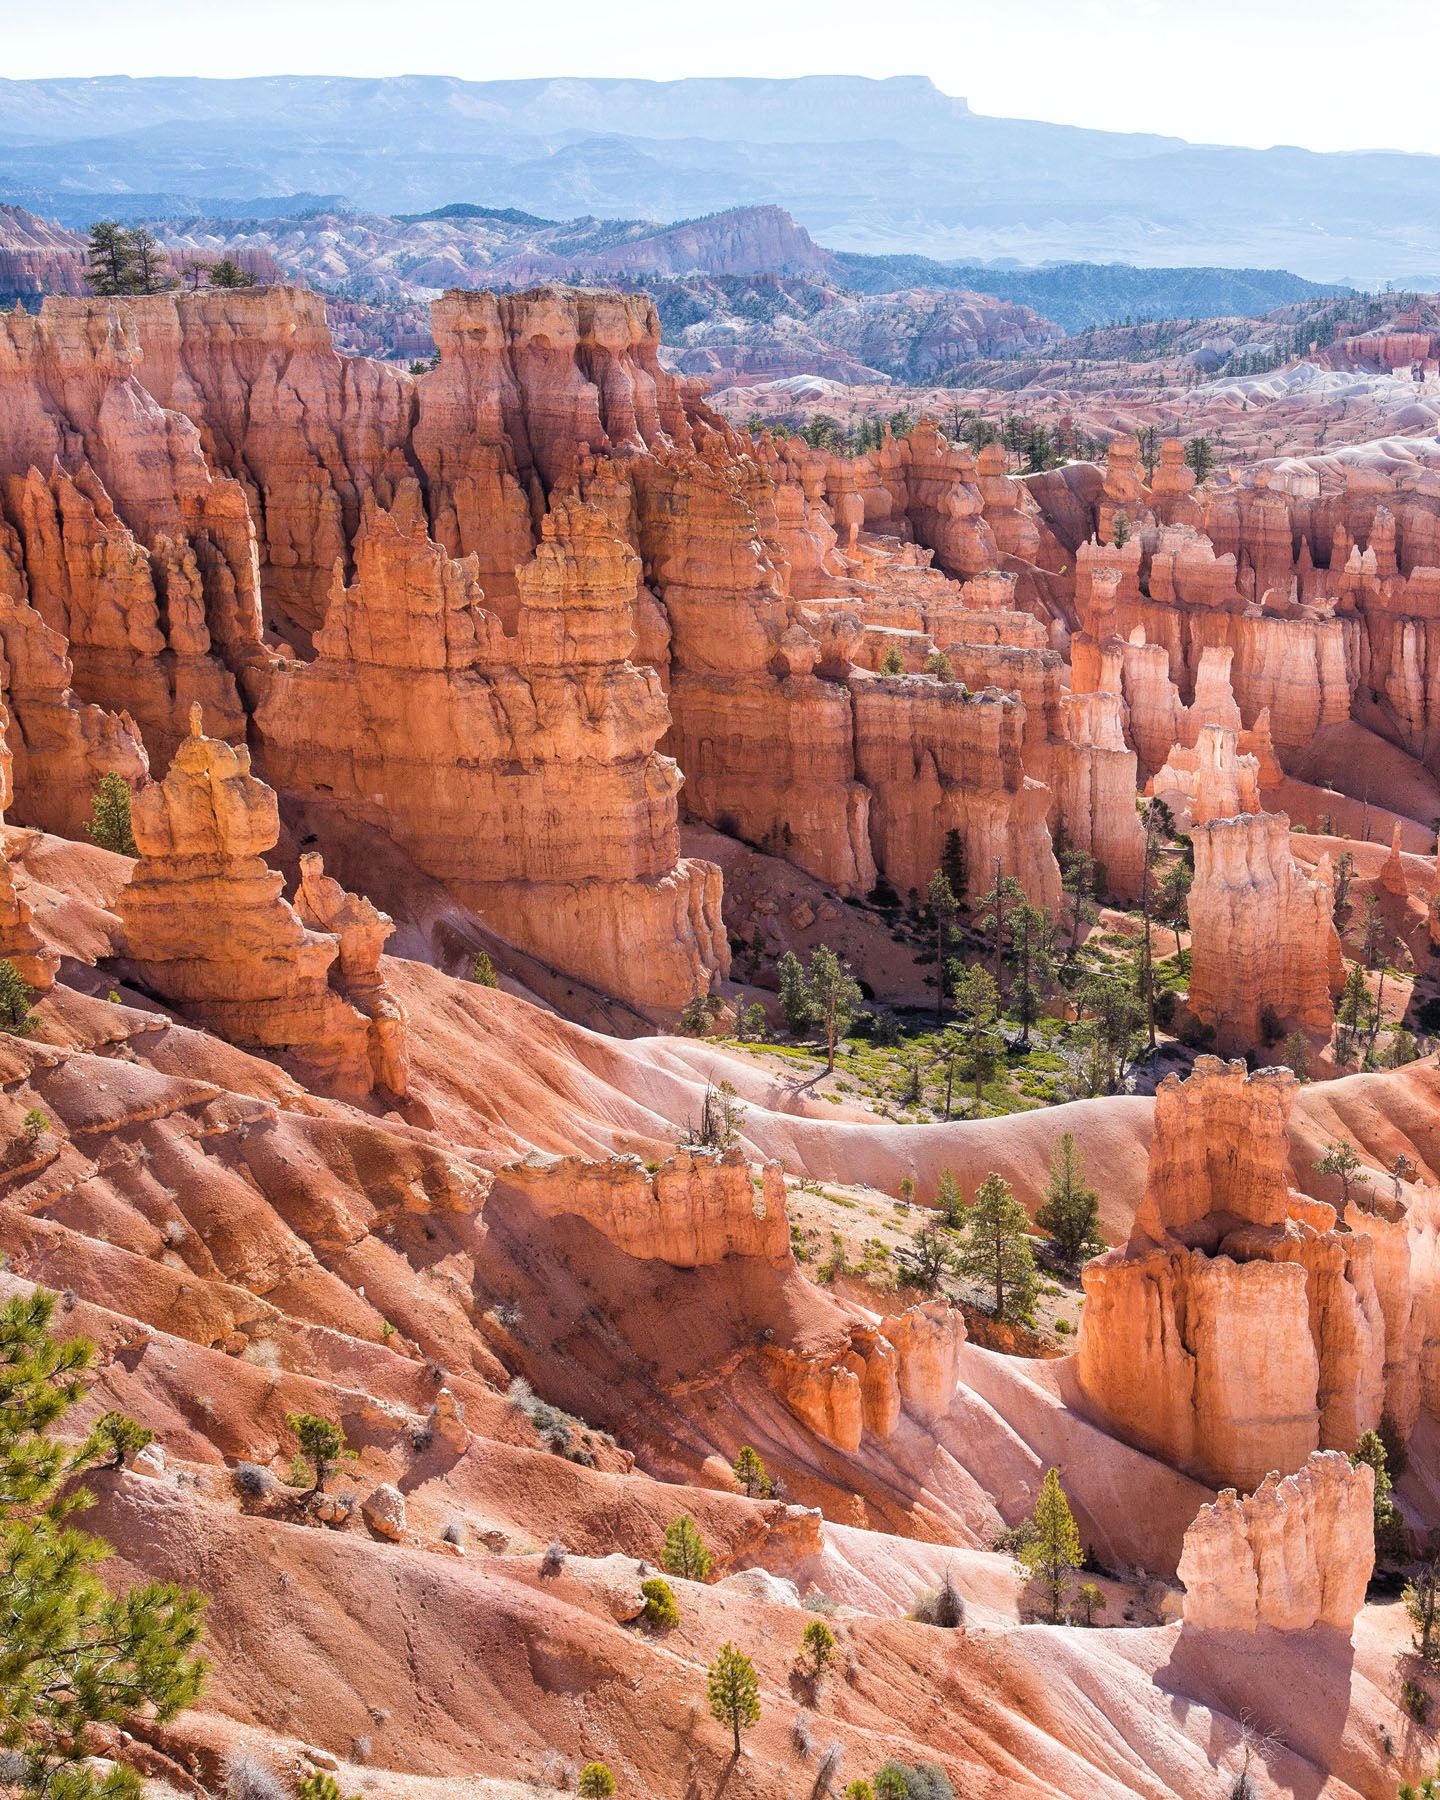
[1256, 72]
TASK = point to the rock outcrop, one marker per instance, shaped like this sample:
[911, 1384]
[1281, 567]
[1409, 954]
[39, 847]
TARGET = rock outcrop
[1239, 1329]
[206, 927]
[1265, 955]
[695, 1210]
[864, 1384]
[1296, 1553]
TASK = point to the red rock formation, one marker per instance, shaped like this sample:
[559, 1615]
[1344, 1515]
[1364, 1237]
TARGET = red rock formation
[1211, 781]
[873, 1376]
[72, 395]
[692, 1212]
[1264, 949]
[20, 943]
[1231, 1336]
[206, 927]
[363, 930]
[59, 748]
[1298, 1552]
[546, 807]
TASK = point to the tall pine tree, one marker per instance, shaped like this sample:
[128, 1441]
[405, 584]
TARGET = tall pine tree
[72, 1654]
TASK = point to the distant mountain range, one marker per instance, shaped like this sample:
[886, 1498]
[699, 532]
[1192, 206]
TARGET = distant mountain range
[744, 291]
[886, 167]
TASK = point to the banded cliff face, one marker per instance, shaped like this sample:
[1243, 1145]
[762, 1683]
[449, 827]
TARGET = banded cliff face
[441, 586]
[199, 492]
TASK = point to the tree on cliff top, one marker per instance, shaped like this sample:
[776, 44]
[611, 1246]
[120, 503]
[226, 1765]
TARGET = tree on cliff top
[72, 1654]
[110, 259]
[227, 273]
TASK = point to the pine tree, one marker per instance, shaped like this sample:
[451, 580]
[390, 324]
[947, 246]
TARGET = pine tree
[948, 1200]
[733, 1690]
[317, 1785]
[227, 273]
[110, 266]
[1077, 878]
[930, 1254]
[834, 996]
[892, 663]
[661, 1612]
[150, 267]
[943, 907]
[109, 823]
[750, 1472]
[596, 1782]
[1389, 1530]
[684, 1553]
[794, 995]
[1033, 935]
[1172, 902]
[977, 1007]
[482, 971]
[995, 1248]
[1421, 1597]
[72, 1654]
[952, 862]
[1341, 1161]
[321, 1444]
[1200, 454]
[817, 1648]
[120, 1437]
[16, 1017]
[1070, 1212]
[997, 904]
[1054, 1551]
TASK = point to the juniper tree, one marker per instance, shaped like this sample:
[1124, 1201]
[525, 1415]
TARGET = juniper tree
[72, 1654]
[733, 1690]
[994, 1248]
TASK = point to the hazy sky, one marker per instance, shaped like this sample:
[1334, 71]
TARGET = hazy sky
[1222, 71]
